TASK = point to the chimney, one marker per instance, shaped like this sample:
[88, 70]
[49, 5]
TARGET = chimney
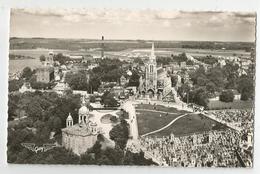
[102, 47]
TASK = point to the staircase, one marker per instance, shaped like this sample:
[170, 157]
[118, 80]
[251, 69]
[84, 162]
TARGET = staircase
[171, 94]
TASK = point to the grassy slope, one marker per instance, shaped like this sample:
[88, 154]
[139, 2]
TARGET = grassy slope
[193, 123]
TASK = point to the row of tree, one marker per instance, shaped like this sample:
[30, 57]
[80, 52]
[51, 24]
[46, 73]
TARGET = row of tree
[208, 83]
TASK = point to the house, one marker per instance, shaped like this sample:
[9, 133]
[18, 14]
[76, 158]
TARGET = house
[123, 80]
[26, 88]
[237, 95]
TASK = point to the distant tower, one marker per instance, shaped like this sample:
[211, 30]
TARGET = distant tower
[69, 121]
[151, 73]
[102, 47]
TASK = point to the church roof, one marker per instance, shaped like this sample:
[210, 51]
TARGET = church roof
[83, 110]
[78, 130]
[69, 117]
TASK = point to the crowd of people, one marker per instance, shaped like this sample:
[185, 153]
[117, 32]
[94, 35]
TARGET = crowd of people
[209, 149]
[244, 120]
[239, 118]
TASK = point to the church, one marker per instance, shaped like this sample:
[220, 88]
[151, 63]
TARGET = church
[81, 136]
[155, 81]
[45, 72]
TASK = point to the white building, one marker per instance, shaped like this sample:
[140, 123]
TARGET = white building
[81, 136]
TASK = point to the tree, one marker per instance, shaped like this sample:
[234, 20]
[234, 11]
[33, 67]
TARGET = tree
[134, 79]
[92, 99]
[246, 87]
[27, 73]
[42, 58]
[174, 80]
[34, 109]
[94, 83]
[226, 96]
[199, 96]
[68, 92]
[231, 72]
[57, 123]
[198, 73]
[120, 134]
[184, 89]
[211, 87]
[217, 76]
[108, 99]
[61, 58]
[77, 81]
[14, 85]
[139, 61]
[12, 106]
[113, 119]
[38, 85]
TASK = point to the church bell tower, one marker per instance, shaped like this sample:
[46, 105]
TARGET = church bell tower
[151, 73]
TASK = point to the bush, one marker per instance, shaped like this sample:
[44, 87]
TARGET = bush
[113, 119]
[14, 85]
[226, 96]
[92, 99]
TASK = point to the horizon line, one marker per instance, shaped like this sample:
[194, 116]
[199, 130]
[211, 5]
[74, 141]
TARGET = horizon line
[128, 39]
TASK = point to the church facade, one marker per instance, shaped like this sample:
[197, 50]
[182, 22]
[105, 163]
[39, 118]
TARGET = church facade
[81, 136]
[155, 80]
[45, 72]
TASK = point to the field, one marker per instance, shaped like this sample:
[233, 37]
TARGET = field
[119, 45]
[150, 121]
[123, 49]
[192, 123]
[19, 65]
[159, 108]
[176, 51]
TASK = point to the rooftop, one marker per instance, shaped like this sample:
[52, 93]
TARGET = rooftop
[79, 130]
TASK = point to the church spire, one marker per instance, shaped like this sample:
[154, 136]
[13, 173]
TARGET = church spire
[152, 52]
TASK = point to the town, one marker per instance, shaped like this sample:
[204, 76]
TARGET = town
[143, 105]
[144, 102]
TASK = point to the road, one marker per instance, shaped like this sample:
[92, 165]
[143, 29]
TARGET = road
[129, 107]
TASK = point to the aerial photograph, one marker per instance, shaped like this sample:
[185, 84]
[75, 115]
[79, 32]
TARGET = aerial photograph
[146, 87]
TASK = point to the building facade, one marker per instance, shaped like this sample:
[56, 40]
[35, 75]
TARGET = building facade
[45, 72]
[151, 73]
[155, 82]
[81, 136]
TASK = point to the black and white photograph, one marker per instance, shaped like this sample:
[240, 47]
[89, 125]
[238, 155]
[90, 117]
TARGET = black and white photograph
[131, 87]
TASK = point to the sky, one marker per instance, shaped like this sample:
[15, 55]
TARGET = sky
[133, 24]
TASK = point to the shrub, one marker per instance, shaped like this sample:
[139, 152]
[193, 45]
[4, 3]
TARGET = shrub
[226, 96]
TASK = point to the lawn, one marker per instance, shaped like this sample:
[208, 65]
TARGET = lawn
[159, 108]
[192, 123]
[105, 119]
[150, 121]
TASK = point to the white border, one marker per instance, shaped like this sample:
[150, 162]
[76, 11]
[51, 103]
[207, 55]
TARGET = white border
[188, 5]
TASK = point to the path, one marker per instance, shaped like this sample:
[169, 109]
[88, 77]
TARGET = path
[157, 111]
[128, 107]
[169, 124]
